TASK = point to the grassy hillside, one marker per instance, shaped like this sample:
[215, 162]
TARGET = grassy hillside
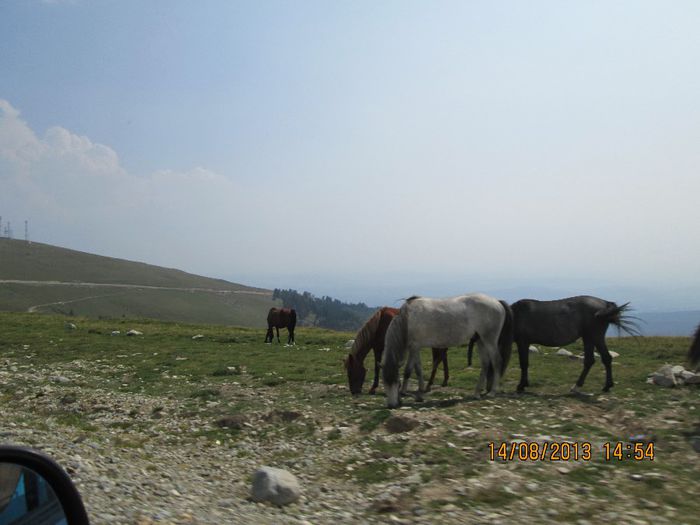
[70, 282]
[201, 415]
[43, 262]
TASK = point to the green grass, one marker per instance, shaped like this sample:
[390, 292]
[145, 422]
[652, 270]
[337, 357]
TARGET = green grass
[231, 371]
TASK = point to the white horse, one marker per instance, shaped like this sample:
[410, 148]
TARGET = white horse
[443, 323]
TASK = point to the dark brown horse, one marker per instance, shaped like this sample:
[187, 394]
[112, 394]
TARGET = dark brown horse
[561, 322]
[371, 337]
[281, 318]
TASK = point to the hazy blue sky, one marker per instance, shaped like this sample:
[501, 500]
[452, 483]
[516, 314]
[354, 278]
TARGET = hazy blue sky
[367, 150]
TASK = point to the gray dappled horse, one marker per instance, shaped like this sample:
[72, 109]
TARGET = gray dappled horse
[561, 322]
[441, 323]
[371, 337]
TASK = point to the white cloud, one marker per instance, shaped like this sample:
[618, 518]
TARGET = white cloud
[77, 193]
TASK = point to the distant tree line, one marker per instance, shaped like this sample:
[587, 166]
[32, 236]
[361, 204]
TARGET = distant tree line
[324, 312]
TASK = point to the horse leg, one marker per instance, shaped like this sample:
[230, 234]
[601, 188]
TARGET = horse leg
[407, 374]
[413, 362]
[377, 362]
[483, 374]
[606, 358]
[470, 350]
[436, 362]
[278, 333]
[494, 368]
[419, 374]
[445, 370]
[588, 360]
[269, 336]
[524, 355]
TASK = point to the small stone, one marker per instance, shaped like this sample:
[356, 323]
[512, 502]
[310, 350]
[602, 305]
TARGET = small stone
[276, 485]
[533, 349]
[677, 370]
[197, 337]
[134, 332]
[564, 352]
[664, 376]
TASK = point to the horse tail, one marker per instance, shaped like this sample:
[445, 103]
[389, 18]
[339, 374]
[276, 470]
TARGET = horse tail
[694, 351]
[394, 348]
[619, 317]
[505, 340]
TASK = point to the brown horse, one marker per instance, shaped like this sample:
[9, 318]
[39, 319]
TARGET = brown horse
[371, 337]
[281, 318]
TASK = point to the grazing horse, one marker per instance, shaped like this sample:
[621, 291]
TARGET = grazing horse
[281, 318]
[694, 351]
[443, 323]
[561, 322]
[371, 337]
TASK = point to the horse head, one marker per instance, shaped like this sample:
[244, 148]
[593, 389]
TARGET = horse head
[356, 374]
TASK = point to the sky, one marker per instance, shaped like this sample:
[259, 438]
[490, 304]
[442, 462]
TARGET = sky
[367, 150]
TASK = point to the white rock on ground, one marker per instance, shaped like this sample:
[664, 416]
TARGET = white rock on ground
[275, 485]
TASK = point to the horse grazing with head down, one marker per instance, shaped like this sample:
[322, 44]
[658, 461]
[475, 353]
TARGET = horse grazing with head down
[371, 337]
[561, 322]
[281, 318]
[443, 323]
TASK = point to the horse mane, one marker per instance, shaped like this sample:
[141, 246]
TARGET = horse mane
[364, 338]
[412, 298]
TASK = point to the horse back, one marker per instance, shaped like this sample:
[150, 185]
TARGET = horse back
[442, 323]
[559, 322]
[282, 317]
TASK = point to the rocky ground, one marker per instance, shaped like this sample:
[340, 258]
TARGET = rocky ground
[141, 459]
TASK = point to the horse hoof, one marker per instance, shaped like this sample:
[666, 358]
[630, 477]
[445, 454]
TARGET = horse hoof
[372, 392]
[575, 390]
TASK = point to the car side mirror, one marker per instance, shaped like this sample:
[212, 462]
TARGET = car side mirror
[35, 489]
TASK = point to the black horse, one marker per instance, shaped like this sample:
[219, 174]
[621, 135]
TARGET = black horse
[281, 318]
[561, 322]
[694, 351]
